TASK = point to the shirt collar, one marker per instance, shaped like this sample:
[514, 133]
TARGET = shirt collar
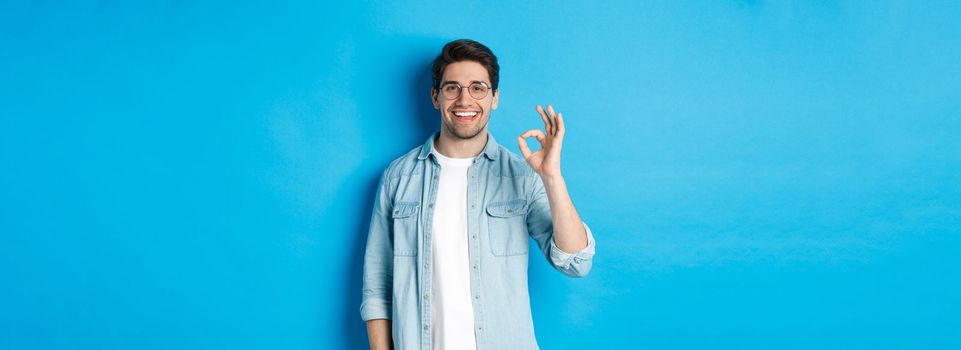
[490, 150]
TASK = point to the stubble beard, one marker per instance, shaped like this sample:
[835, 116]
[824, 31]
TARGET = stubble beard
[465, 134]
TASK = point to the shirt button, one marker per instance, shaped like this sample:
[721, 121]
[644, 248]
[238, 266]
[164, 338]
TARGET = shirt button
[475, 267]
[430, 205]
[477, 296]
[425, 327]
[510, 210]
[475, 236]
[471, 205]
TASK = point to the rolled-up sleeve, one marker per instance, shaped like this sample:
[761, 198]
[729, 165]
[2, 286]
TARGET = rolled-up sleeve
[541, 228]
[378, 260]
[574, 264]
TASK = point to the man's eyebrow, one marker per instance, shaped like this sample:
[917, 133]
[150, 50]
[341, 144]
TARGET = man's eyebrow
[445, 82]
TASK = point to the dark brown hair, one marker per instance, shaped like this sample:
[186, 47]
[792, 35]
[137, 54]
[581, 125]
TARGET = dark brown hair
[465, 50]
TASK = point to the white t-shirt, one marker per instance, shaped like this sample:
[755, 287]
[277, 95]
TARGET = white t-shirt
[452, 310]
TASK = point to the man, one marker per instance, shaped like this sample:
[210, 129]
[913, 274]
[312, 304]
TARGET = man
[446, 259]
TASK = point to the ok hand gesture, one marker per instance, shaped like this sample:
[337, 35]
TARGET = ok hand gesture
[547, 160]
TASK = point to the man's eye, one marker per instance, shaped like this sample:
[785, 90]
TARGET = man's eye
[451, 88]
[478, 88]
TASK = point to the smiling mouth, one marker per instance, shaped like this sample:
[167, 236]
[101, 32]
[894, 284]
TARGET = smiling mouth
[466, 116]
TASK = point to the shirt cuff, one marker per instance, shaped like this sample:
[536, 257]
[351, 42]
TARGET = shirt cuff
[565, 261]
[375, 308]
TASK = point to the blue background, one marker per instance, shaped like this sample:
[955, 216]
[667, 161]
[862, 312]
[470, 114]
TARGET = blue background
[759, 175]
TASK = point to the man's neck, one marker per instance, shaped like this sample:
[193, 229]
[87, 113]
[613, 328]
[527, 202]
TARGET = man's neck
[454, 147]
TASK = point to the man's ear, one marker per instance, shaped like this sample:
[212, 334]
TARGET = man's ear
[497, 93]
[433, 98]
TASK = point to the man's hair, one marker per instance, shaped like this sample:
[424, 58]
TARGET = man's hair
[465, 50]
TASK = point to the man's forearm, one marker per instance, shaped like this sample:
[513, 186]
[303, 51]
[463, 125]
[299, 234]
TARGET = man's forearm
[569, 234]
[378, 331]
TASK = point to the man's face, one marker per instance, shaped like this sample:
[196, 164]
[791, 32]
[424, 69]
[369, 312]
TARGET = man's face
[464, 117]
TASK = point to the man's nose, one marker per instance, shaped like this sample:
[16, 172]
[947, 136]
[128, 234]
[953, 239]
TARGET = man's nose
[464, 99]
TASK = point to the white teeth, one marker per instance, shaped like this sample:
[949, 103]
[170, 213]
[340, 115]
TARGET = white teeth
[465, 114]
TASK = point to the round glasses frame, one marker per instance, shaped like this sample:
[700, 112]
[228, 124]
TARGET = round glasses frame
[452, 91]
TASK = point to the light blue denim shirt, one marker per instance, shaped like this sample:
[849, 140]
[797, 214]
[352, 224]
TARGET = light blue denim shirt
[507, 204]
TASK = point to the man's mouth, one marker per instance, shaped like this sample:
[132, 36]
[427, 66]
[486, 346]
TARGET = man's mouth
[466, 116]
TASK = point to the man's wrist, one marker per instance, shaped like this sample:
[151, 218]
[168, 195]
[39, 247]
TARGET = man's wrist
[552, 180]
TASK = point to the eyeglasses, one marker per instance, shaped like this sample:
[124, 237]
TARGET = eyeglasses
[478, 90]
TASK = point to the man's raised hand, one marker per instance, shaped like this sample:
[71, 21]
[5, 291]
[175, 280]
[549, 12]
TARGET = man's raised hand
[547, 160]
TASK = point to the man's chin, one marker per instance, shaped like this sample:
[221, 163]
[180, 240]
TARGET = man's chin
[465, 134]
[462, 136]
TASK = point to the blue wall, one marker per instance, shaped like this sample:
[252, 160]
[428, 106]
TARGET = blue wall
[759, 175]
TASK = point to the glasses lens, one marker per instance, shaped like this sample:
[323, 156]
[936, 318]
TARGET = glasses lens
[451, 91]
[478, 90]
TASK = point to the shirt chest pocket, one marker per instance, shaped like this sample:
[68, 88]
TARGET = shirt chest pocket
[507, 227]
[404, 219]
